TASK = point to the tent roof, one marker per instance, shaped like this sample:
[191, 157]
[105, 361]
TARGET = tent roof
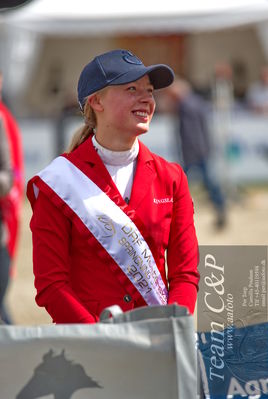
[100, 17]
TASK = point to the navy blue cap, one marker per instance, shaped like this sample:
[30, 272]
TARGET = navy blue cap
[118, 67]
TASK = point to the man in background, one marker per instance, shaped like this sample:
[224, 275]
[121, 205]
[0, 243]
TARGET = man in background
[195, 142]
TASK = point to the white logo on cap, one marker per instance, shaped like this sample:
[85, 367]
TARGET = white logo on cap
[131, 59]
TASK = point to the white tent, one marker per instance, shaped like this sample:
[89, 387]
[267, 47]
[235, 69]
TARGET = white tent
[24, 28]
[68, 17]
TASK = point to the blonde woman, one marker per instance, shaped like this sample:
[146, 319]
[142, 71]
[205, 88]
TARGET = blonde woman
[106, 212]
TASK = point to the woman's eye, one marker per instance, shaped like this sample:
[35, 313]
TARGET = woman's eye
[132, 88]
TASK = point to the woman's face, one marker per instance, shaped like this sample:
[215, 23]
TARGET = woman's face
[127, 108]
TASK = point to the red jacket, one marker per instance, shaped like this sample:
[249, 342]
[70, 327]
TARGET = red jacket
[75, 278]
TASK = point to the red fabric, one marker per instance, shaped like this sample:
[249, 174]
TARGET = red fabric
[75, 279]
[11, 204]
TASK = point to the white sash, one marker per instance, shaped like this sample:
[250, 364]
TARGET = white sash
[115, 231]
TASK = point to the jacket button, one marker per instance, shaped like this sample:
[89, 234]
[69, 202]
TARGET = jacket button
[127, 298]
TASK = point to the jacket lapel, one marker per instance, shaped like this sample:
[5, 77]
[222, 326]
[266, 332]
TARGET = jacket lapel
[91, 164]
[144, 176]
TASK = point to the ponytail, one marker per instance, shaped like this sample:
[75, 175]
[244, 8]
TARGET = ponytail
[85, 131]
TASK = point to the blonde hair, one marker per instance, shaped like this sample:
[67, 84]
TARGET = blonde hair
[86, 130]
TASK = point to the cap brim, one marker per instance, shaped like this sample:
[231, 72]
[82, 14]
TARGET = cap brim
[160, 76]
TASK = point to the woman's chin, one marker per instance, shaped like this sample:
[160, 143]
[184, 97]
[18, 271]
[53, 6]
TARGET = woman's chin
[141, 130]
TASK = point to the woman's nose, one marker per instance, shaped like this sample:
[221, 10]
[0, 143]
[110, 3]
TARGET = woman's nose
[146, 96]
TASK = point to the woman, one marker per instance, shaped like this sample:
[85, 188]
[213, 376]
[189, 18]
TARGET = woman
[105, 213]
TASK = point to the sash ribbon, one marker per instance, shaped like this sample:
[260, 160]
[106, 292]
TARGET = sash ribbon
[114, 230]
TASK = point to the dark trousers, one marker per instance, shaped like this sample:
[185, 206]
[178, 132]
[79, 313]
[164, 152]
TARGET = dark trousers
[4, 280]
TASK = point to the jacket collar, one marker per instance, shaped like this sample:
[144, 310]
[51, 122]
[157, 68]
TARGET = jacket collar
[87, 153]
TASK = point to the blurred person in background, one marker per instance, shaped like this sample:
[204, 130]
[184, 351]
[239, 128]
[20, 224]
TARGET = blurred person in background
[106, 212]
[257, 95]
[222, 88]
[11, 196]
[195, 142]
[223, 102]
[6, 181]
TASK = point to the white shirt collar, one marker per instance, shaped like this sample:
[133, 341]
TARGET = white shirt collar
[116, 158]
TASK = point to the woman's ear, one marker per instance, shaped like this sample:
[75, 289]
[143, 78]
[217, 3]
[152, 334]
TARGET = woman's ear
[95, 102]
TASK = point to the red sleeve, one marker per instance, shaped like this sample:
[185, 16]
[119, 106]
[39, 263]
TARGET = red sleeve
[183, 254]
[51, 232]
